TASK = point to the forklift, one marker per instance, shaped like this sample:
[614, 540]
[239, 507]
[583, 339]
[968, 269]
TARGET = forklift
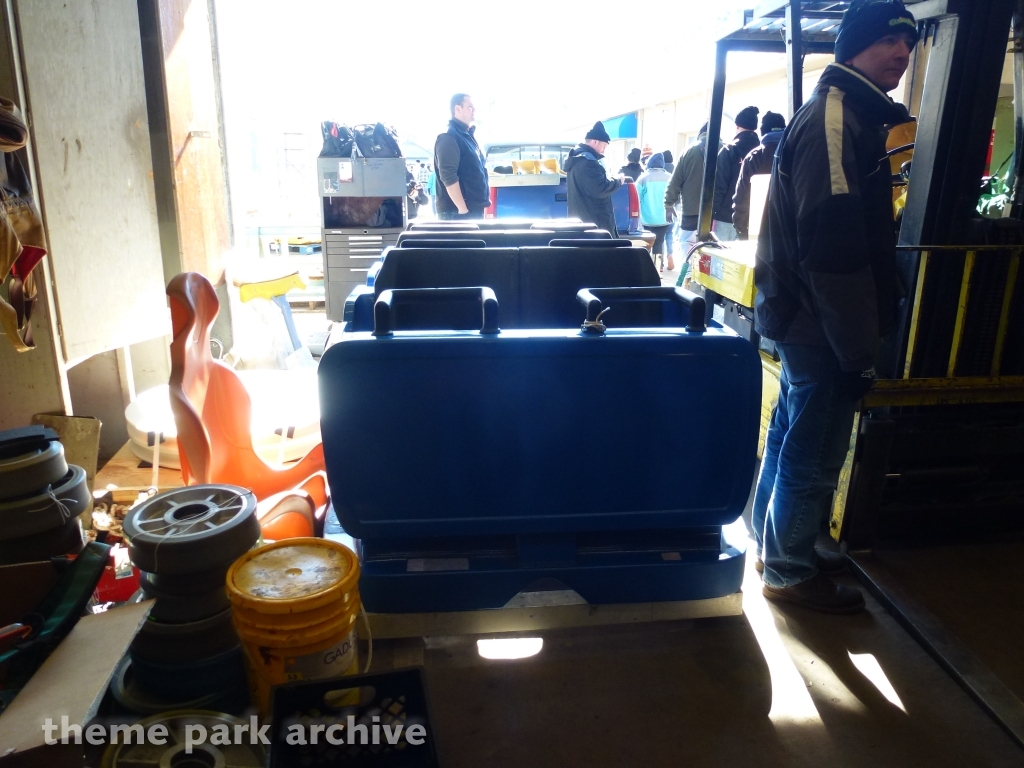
[938, 443]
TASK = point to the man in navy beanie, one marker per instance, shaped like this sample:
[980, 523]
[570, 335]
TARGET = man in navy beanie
[758, 162]
[729, 158]
[826, 294]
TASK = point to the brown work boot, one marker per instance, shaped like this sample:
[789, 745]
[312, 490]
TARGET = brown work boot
[818, 593]
[829, 563]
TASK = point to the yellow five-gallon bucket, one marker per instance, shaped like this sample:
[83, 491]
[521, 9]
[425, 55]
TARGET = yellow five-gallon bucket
[294, 604]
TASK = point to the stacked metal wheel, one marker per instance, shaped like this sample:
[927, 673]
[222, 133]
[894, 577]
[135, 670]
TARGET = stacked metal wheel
[41, 497]
[183, 541]
[177, 749]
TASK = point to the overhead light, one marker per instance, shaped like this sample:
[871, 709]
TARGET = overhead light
[510, 648]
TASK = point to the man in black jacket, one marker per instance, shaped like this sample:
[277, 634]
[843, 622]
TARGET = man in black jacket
[729, 158]
[589, 188]
[463, 192]
[757, 163]
[632, 168]
[826, 293]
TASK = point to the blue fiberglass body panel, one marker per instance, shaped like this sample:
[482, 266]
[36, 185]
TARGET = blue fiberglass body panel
[550, 201]
[523, 432]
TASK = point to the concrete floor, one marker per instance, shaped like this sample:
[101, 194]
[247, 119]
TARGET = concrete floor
[977, 592]
[774, 687]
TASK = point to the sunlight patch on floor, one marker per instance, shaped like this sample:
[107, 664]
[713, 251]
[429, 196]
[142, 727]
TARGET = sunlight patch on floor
[872, 670]
[791, 703]
[510, 648]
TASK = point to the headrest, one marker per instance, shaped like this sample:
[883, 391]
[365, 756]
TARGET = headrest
[560, 226]
[591, 242]
[427, 226]
[415, 242]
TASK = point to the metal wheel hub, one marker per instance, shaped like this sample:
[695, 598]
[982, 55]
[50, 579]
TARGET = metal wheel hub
[173, 754]
[190, 511]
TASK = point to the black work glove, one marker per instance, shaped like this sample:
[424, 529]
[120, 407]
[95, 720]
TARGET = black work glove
[857, 383]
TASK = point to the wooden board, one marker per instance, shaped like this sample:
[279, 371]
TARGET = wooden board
[87, 112]
[123, 471]
[193, 117]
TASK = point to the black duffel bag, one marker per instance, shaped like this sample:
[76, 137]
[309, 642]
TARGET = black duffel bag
[376, 141]
[338, 139]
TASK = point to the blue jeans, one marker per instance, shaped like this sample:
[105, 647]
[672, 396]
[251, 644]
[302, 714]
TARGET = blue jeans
[804, 451]
[456, 216]
[724, 231]
[687, 237]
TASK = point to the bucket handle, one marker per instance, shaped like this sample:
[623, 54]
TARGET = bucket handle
[369, 638]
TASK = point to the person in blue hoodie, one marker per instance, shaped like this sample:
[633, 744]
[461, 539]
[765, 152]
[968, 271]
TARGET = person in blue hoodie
[650, 188]
[758, 162]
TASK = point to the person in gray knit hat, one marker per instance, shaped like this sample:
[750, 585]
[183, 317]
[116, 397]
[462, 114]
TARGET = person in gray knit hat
[827, 293]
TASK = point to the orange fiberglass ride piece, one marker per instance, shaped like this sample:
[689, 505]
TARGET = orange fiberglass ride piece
[212, 412]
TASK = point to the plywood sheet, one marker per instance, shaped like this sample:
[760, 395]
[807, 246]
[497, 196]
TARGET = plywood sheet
[31, 382]
[87, 110]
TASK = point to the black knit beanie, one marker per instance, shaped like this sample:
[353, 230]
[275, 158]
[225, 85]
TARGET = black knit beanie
[634, 155]
[868, 21]
[772, 121]
[747, 118]
[598, 133]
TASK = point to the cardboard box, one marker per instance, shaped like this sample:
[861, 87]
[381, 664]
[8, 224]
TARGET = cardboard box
[71, 682]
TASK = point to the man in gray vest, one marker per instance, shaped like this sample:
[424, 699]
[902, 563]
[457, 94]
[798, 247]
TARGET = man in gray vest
[463, 192]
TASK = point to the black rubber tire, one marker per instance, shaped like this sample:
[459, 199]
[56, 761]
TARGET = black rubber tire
[215, 675]
[185, 584]
[69, 539]
[30, 473]
[191, 529]
[127, 692]
[184, 609]
[34, 514]
[180, 643]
